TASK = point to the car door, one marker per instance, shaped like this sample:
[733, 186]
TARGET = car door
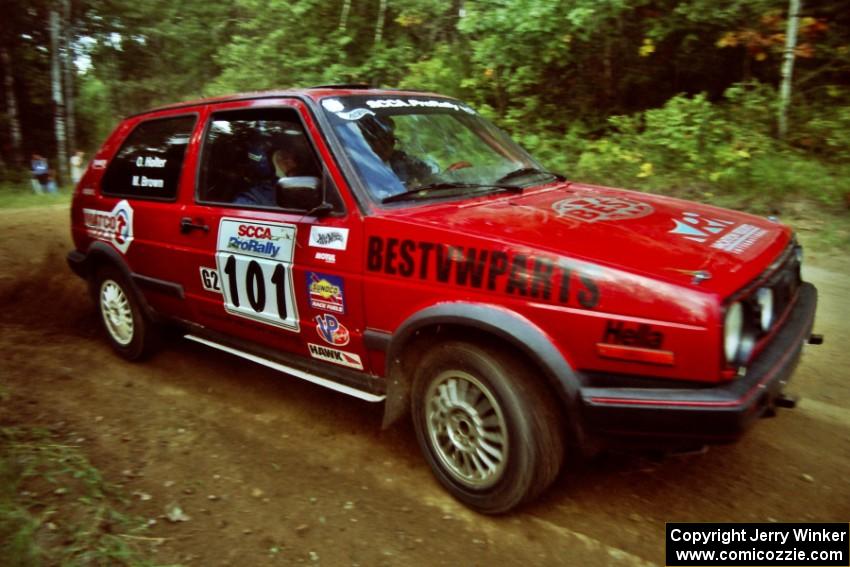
[275, 251]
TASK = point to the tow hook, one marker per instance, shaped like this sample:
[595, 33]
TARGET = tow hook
[781, 401]
[815, 339]
[785, 401]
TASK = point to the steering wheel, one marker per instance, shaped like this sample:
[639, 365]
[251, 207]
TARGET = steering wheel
[458, 165]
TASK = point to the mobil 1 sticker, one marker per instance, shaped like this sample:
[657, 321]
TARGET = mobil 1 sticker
[254, 265]
[326, 292]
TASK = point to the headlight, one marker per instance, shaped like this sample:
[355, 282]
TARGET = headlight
[764, 297]
[733, 328]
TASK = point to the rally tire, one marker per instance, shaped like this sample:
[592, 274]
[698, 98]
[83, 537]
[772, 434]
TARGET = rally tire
[489, 428]
[128, 329]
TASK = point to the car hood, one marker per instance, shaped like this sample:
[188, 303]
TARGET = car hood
[652, 235]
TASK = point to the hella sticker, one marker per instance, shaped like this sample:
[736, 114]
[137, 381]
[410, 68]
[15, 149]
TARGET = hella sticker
[115, 226]
[331, 330]
[340, 357]
[326, 292]
[329, 237]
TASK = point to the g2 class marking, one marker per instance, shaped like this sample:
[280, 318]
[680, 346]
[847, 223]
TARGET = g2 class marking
[210, 280]
[525, 275]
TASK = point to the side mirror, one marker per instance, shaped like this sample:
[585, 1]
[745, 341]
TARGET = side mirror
[299, 192]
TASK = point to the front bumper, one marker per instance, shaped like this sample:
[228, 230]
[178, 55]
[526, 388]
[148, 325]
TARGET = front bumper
[685, 416]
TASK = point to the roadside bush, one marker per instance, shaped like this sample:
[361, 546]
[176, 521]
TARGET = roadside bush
[695, 148]
[827, 133]
[687, 140]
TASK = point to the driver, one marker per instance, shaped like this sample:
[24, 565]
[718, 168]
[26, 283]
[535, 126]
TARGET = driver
[266, 173]
[379, 132]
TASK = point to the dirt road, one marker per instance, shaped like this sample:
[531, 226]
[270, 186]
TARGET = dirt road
[275, 471]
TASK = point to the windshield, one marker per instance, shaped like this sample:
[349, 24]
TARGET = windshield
[420, 147]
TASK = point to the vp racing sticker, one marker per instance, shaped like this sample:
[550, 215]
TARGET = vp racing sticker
[115, 226]
[331, 330]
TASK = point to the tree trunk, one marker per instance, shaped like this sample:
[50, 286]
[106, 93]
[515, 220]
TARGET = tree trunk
[788, 66]
[68, 77]
[379, 24]
[58, 99]
[12, 107]
[343, 16]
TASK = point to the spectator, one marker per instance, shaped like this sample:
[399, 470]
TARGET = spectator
[77, 163]
[40, 173]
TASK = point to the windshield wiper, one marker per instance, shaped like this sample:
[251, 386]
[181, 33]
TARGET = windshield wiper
[529, 170]
[423, 190]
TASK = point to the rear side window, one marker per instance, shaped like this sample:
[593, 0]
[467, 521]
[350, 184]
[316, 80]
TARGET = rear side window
[149, 162]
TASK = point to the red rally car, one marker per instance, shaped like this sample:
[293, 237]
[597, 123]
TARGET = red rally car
[398, 247]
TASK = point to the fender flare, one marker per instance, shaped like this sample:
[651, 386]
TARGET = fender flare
[100, 252]
[502, 323]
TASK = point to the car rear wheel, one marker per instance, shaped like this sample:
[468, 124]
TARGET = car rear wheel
[127, 328]
[487, 427]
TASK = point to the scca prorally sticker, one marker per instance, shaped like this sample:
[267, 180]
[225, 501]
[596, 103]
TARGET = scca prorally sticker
[418, 103]
[329, 237]
[254, 266]
[326, 257]
[335, 356]
[326, 292]
[718, 234]
[115, 226]
[601, 208]
[257, 238]
[210, 280]
[331, 330]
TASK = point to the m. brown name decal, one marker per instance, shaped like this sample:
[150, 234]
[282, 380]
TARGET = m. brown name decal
[523, 275]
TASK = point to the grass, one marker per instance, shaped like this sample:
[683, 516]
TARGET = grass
[56, 508]
[20, 195]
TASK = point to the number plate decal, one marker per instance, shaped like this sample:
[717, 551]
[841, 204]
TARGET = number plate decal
[210, 279]
[254, 262]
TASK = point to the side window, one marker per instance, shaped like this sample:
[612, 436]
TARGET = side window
[149, 162]
[259, 158]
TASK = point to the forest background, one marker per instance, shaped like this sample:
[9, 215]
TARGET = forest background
[682, 97]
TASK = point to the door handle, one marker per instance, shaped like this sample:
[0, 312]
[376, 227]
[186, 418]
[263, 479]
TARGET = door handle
[187, 226]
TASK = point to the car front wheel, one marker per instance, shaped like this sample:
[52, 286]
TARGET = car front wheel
[488, 428]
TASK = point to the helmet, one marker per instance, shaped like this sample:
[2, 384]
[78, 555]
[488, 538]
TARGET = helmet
[259, 164]
[377, 128]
